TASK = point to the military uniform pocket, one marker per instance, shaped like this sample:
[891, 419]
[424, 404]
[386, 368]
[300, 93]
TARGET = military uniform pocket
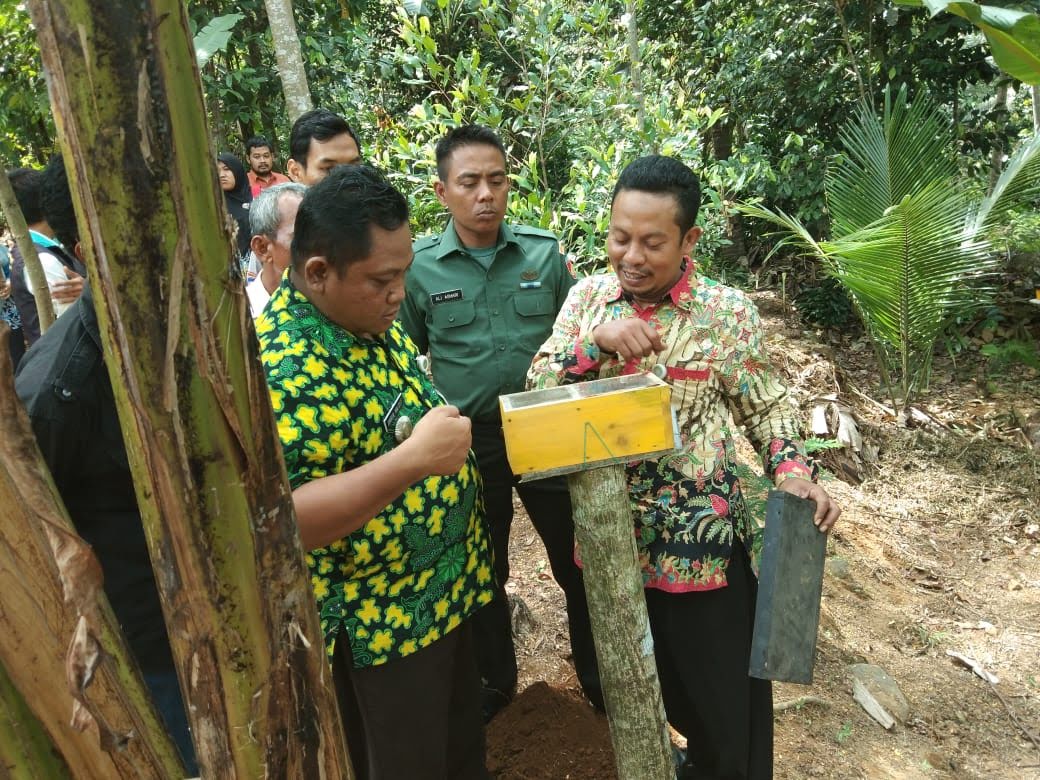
[534, 304]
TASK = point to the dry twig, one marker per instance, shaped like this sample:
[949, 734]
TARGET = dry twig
[801, 701]
[1014, 717]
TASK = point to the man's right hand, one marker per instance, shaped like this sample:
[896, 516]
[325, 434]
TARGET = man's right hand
[630, 339]
[440, 442]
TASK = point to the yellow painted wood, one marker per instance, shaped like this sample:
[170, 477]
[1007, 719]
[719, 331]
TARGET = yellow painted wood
[573, 427]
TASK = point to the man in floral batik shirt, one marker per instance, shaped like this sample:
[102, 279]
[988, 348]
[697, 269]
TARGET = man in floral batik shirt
[695, 536]
[385, 487]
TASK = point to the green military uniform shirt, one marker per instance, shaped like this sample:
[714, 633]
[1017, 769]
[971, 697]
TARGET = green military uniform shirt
[483, 325]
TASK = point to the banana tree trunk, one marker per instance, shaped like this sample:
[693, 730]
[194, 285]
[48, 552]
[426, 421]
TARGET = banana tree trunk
[27, 249]
[289, 57]
[60, 643]
[192, 398]
[26, 752]
[606, 538]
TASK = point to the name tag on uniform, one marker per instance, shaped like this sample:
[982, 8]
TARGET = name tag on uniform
[446, 296]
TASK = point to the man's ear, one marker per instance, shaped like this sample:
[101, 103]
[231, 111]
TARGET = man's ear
[294, 169]
[316, 271]
[438, 190]
[261, 246]
[79, 252]
[690, 240]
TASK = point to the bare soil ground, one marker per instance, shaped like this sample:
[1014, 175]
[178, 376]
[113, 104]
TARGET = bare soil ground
[942, 548]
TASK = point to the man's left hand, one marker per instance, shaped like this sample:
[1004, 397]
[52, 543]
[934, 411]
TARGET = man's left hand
[68, 290]
[827, 509]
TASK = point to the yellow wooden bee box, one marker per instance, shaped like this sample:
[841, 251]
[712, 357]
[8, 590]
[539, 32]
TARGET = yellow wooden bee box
[573, 427]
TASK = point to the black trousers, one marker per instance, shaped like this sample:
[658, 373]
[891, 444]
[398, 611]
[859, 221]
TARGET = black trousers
[702, 644]
[417, 717]
[549, 506]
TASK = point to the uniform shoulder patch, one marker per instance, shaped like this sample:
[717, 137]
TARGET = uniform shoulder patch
[528, 230]
[426, 242]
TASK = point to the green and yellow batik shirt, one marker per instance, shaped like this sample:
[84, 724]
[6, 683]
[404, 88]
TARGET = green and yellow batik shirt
[420, 567]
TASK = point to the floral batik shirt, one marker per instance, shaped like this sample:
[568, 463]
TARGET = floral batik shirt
[688, 506]
[420, 567]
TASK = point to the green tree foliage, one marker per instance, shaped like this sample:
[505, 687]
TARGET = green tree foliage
[1013, 35]
[26, 128]
[553, 82]
[752, 95]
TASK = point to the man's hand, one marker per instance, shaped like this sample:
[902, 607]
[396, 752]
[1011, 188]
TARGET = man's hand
[827, 510]
[68, 290]
[5, 290]
[631, 339]
[440, 442]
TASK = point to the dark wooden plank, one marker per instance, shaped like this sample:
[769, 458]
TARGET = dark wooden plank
[789, 586]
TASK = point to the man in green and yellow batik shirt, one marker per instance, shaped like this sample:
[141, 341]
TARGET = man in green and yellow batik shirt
[386, 490]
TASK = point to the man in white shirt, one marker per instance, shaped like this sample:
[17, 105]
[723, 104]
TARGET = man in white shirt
[272, 218]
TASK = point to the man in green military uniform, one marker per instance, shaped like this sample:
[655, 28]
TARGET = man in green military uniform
[481, 298]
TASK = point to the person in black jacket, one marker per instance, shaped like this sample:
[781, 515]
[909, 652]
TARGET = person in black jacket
[64, 385]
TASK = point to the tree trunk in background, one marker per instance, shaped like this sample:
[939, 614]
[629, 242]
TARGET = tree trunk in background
[636, 63]
[1036, 108]
[26, 752]
[57, 632]
[722, 148]
[996, 155]
[289, 57]
[192, 397]
[27, 249]
[605, 535]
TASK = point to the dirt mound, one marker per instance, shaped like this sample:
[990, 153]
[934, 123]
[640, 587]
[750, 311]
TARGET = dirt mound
[550, 734]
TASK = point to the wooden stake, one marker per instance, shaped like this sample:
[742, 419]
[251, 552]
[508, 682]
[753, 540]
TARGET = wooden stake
[605, 534]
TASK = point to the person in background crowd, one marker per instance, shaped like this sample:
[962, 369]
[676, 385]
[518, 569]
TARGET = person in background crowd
[8, 311]
[261, 166]
[63, 382]
[698, 545]
[385, 487]
[482, 297]
[237, 196]
[319, 141]
[63, 271]
[272, 219]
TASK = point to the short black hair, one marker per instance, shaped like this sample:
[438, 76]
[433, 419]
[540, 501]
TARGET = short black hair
[666, 175]
[57, 203]
[319, 123]
[466, 135]
[336, 215]
[256, 142]
[27, 184]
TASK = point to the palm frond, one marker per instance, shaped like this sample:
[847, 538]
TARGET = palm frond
[910, 270]
[887, 159]
[1018, 185]
[791, 232]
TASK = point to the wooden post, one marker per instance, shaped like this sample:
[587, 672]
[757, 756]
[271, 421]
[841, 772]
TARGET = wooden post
[596, 427]
[606, 540]
[192, 397]
[60, 643]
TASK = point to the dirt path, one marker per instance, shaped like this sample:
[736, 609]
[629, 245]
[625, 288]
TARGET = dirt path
[938, 550]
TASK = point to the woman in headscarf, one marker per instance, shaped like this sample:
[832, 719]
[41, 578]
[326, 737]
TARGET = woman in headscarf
[237, 196]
